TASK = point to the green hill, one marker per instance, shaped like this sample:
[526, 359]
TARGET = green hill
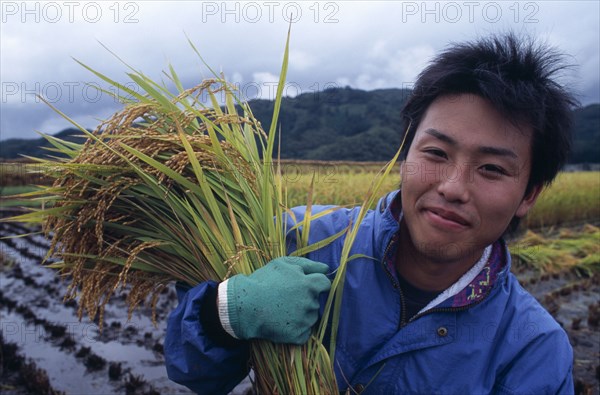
[344, 124]
[16, 148]
[586, 145]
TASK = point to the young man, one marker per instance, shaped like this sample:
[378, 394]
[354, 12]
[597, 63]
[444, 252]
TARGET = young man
[437, 311]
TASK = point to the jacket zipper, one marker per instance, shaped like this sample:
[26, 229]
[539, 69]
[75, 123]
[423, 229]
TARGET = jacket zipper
[395, 285]
[387, 272]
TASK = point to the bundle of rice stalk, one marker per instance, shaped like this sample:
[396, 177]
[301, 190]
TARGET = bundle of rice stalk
[170, 189]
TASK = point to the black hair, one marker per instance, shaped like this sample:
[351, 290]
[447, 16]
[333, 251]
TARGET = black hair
[519, 78]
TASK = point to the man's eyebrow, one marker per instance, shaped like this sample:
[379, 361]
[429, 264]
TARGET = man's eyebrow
[483, 150]
[497, 151]
[441, 136]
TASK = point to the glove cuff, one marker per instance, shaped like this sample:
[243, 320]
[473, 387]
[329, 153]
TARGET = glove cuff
[223, 307]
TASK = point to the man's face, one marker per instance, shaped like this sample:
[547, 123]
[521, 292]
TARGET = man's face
[464, 178]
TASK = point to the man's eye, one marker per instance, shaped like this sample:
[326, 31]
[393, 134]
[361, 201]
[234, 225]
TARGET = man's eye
[436, 152]
[493, 169]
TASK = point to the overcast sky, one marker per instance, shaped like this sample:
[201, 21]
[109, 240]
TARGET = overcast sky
[365, 45]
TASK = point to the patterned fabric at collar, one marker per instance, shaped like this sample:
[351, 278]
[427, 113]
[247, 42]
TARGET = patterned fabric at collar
[477, 289]
[485, 280]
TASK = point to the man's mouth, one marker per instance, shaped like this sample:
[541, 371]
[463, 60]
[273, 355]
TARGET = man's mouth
[446, 217]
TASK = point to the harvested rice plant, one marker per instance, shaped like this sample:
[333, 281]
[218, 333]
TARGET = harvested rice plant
[174, 190]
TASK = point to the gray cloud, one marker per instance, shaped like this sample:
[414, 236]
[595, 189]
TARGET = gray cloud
[365, 45]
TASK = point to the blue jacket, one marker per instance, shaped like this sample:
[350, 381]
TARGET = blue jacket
[491, 337]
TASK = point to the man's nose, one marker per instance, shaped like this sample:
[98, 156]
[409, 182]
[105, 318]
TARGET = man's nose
[454, 183]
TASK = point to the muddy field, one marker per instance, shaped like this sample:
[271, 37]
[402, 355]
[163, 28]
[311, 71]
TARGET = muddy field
[46, 349]
[126, 357]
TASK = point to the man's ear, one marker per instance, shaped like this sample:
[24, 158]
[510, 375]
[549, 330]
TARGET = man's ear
[528, 201]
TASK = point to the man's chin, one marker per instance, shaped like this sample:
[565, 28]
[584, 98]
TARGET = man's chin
[448, 249]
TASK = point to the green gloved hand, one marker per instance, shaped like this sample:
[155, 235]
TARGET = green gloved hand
[278, 302]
